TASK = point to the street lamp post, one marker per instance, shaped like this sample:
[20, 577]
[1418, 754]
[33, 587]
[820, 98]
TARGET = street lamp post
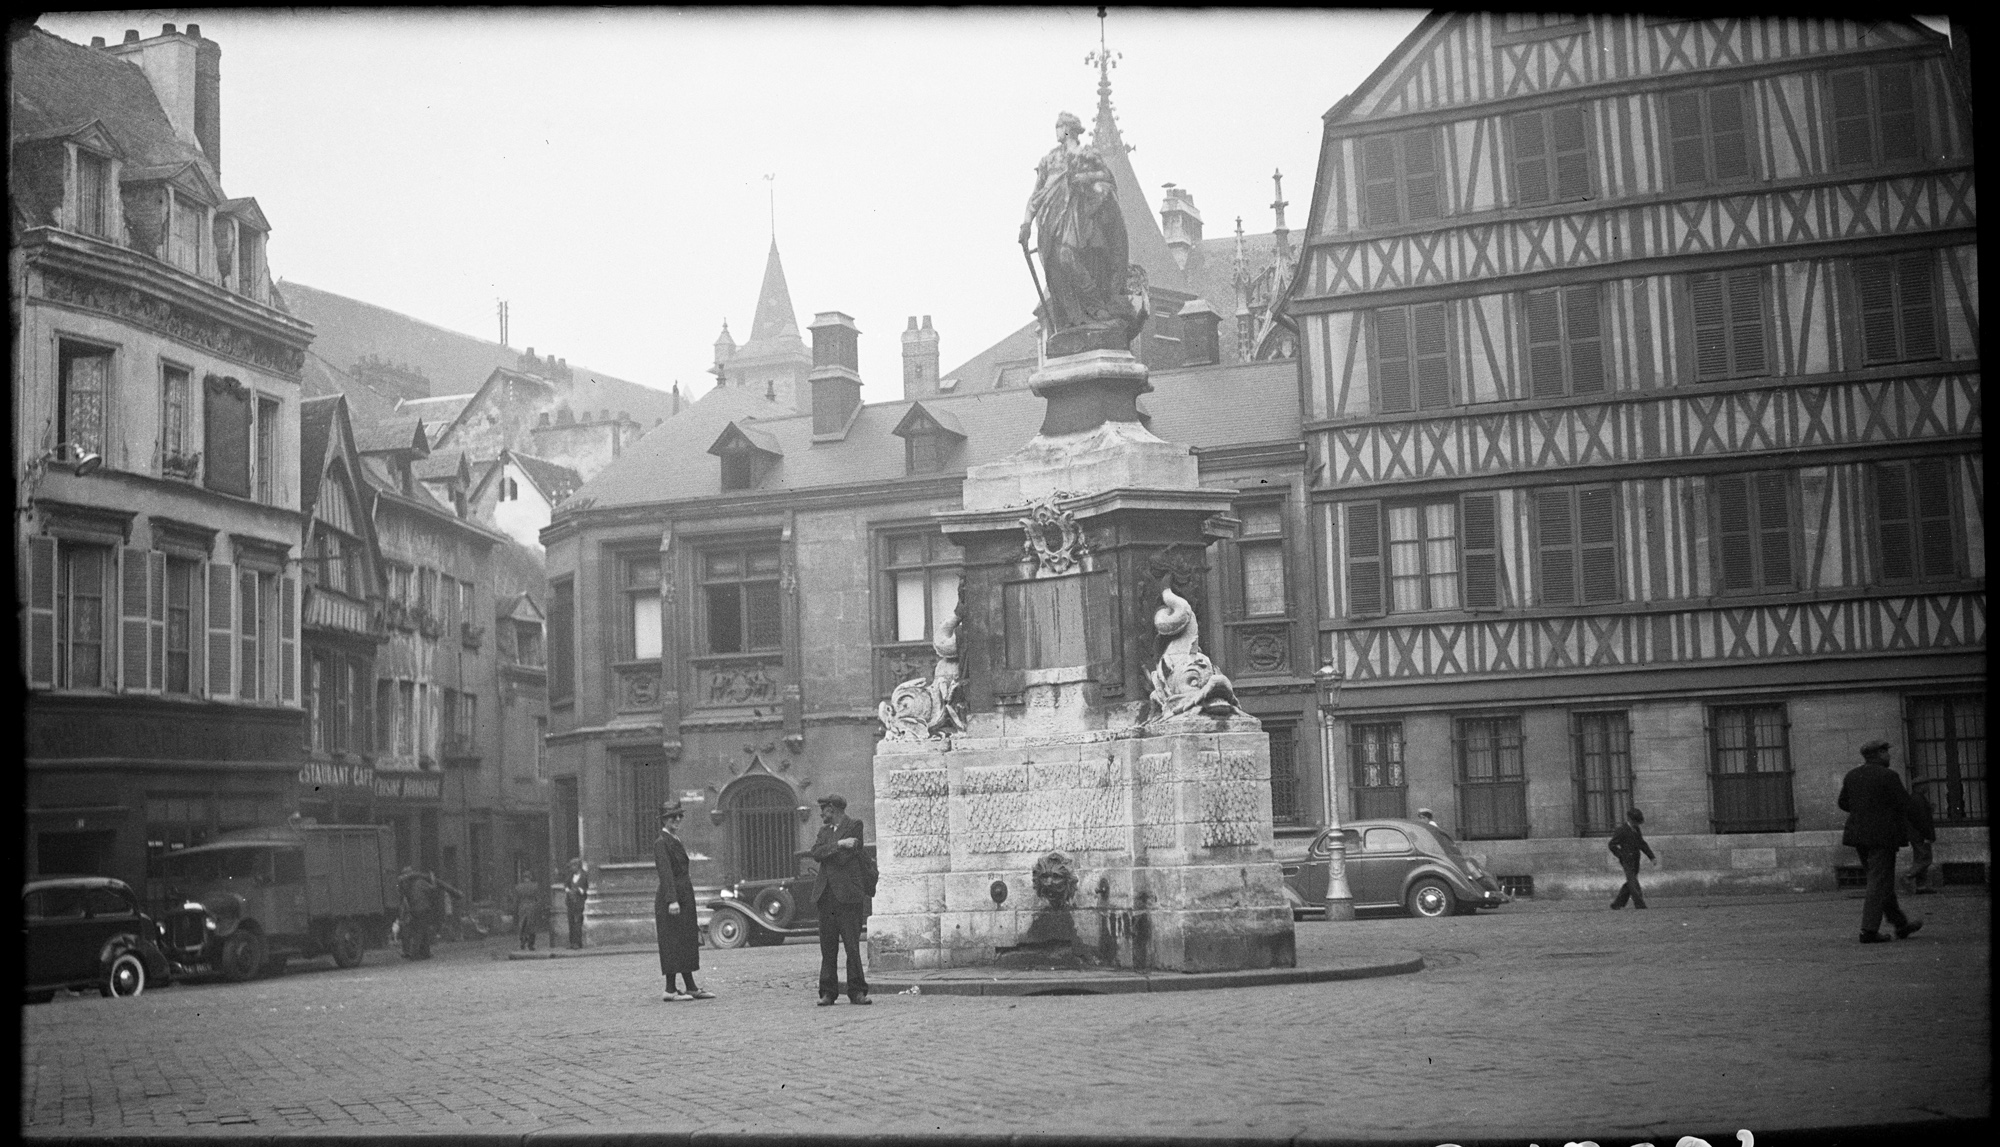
[1339, 900]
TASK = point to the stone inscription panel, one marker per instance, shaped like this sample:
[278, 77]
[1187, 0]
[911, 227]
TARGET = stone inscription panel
[1231, 797]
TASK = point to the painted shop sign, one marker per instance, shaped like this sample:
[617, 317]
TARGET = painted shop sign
[409, 788]
[326, 775]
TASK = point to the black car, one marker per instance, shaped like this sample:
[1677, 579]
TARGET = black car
[766, 911]
[1404, 864]
[88, 932]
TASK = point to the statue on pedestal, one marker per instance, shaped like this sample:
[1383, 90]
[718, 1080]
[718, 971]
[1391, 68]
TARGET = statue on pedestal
[1186, 681]
[930, 709]
[1095, 298]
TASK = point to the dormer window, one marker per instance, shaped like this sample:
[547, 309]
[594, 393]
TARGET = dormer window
[188, 218]
[93, 194]
[929, 437]
[739, 470]
[744, 451]
[249, 261]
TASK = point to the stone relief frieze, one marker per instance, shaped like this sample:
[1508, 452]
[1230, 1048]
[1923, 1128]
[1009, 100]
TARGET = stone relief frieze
[740, 684]
[1053, 540]
[137, 307]
[639, 688]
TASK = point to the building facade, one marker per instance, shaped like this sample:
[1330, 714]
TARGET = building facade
[1640, 375]
[156, 424]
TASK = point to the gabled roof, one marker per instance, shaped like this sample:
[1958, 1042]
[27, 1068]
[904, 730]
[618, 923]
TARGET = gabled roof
[396, 437]
[522, 607]
[444, 465]
[742, 435]
[555, 480]
[247, 210]
[324, 433]
[921, 416]
[455, 415]
[57, 86]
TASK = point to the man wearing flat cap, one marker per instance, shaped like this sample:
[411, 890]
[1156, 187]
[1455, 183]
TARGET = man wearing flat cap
[839, 893]
[1878, 811]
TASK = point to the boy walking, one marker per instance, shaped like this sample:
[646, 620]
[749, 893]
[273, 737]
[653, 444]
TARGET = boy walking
[1626, 844]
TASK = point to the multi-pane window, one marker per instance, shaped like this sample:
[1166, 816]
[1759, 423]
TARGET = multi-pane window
[1412, 357]
[447, 602]
[83, 574]
[1283, 736]
[1875, 115]
[93, 194]
[1750, 769]
[1948, 755]
[1576, 545]
[174, 389]
[740, 600]
[399, 584]
[257, 629]
[527, 642]
[1914, 520]
[85, 381]
[1492, 785]
[562, 620]
[1753, 532]
[1423, 556]
[269, 427]
[1564, 331]
[924, 450]
[922, 570]
[642, 787]
[1709, 136]
[448, 716]
[1727, 311]
[189, 218]
[250, 261]
[1401, 178]
[541, 746]
[1551, 155]
[182, 586]
[1602, 743]
[640, 599]
[1375, 754]
[1897, 301]
[406, 718]
[1261, 555]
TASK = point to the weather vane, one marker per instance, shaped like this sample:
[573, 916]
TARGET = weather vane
[1103, 59]
[771, 189]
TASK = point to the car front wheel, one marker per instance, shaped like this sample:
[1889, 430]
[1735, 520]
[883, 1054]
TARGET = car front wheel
[1431, 898]
[347, 947]
[242, 956]
[125, 976]
[728, 930]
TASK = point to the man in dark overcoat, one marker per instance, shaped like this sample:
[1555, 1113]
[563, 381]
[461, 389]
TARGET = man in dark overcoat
[576, 894]
[1878, 810]
[673, 909]
[840, 894]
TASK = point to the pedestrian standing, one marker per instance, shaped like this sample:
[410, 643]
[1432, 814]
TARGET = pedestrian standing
[673, 909]
[839, 893]
[531, 904]
[1626, 844]
[1923, 832]
[576, 892]
[1878, 812]
[418, 918]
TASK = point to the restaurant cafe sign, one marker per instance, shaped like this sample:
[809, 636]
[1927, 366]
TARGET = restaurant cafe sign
[392, 786]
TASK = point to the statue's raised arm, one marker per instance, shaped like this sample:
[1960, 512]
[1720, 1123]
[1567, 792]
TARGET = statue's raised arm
[1094, 299]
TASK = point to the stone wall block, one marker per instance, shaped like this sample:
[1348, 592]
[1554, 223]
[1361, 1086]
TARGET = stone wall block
[1012, 777]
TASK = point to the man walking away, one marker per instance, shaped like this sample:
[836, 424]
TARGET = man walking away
[839, 893]
[576, 891]
[1923, 831]
[1878, 810]
[1626, 844]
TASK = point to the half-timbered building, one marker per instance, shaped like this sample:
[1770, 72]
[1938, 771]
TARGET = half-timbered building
[1640, 371]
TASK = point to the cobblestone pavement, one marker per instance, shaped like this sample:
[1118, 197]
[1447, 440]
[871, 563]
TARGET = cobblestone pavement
[1542, 1021]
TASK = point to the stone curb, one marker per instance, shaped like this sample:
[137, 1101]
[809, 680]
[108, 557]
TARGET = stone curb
[1389, 963]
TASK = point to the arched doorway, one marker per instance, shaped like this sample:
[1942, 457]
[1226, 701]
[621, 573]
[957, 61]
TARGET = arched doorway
[760, 828]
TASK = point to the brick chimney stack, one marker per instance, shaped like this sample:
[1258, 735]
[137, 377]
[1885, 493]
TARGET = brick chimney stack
[1180, 222]
[836, 374]
[920, 359]
[185, 72]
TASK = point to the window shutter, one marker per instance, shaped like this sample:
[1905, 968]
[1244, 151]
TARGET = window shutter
[1729, 133]
[1897, 118]
[1364, 559]
[1847, 97]
[1479, 557]
[1531, 165]
[1914, 306]
[41, 613]
[1893, 521]
[1711, 323]
[1420, 174]
[1734, 551]
[1746, 323]
[766, 628]
[221, 628]
[1875, 287]
[1555, 542]
[225, 460]
[133, 623]
[250, 621]
[1545, 349]
[1582, 315]
[1432, 328]
[156, 573]
[1569, 134]
[288, 639]
[1597, 543]
[1684, 139]
[1931, 484]
[1378, 181]
[1774, 530]
[1392, 359]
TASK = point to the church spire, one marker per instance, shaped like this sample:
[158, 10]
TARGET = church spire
[1104, 133]
[775, 317]
[1146, 244]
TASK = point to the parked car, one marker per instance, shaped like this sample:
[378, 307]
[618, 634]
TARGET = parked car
[1403, 864]
[89, 932]
[766, 911]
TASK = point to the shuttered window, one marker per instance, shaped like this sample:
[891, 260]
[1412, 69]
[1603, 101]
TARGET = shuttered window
[1401, 180]
[85, 381]
[1708, 136]
[1551, 157]
[1564, 336]
[1898, 306]
[1914, 519]
[1576, 542]
[1423, 556]
[1753, 532]
[83, 595]
[1728, 314]
[1364, 559]
[226, 429]
[1875, 115]
[1413, 357]
[1480, 556]
[562, 636]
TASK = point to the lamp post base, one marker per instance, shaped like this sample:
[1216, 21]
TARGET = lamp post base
[1340, 909]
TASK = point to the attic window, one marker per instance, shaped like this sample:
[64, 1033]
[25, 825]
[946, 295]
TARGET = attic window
[249, 261]
[739, 470]
[93, 194]
[184, 233]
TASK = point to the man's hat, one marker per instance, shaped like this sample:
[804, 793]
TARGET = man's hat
[575, 860]
[1874, 747]
[833, 800]
[671, 808]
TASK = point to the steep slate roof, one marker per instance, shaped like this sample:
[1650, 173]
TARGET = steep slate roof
[1146, 245]
[1209, 406]
[316, 417]
[776, 321]
[58, 86]
[555, 480]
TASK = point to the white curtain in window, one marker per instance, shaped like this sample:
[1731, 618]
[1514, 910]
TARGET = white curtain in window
[645, 625]
[910, 606]
[1441, 554]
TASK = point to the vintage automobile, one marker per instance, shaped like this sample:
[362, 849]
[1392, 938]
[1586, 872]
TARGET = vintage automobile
[88, 932]
[1404, 864]
[766, 911]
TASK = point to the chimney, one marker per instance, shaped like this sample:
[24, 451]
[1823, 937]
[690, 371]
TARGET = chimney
[836, 374]
[920, 359]
[1180, 222]
[97, 41]
[1200, 334]
[185, 72]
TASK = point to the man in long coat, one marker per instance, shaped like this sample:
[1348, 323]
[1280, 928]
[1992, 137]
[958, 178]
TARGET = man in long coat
[673, 909]
[1878, 810]
[840, 894]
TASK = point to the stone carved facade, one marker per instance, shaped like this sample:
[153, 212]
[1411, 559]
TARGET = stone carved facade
[1186, 681]
[929, 709]
[741, 684]
[1054, 542]
[141, 309]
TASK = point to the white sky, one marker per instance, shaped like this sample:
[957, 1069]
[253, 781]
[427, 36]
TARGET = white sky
[603, 170]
